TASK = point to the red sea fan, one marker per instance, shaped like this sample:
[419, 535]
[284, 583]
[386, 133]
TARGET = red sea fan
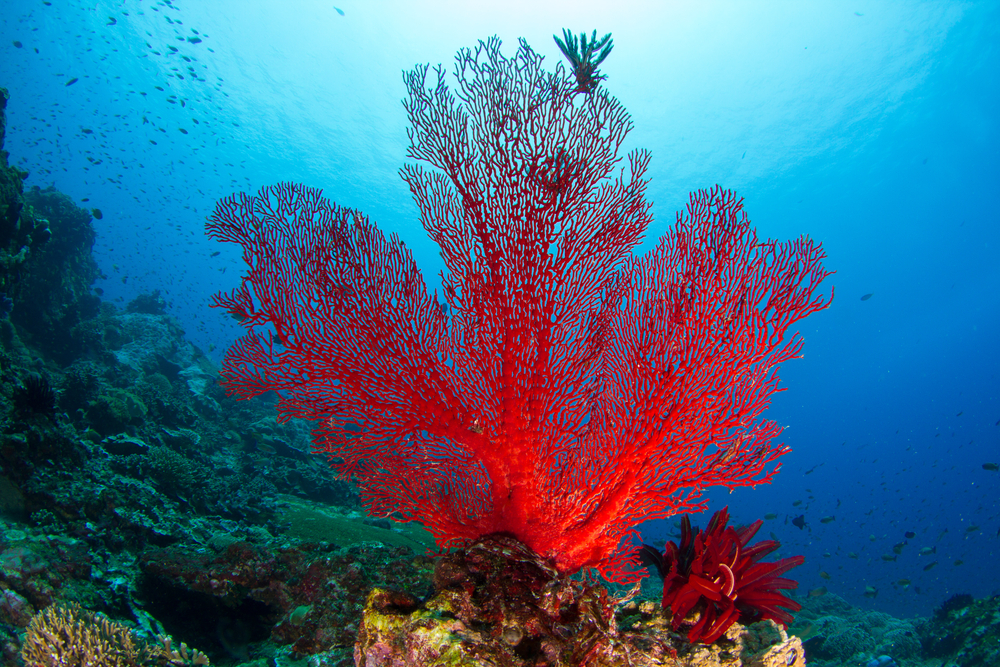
[715, 574]
[561, 390]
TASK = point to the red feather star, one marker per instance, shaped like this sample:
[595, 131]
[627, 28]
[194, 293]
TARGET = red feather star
[563, 389]
[716, 574]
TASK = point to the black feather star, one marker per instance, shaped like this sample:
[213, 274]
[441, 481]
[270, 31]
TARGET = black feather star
[585, 56]
[35, 396]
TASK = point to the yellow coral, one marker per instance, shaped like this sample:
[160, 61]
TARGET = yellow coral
[73, 637]
[62, 636]
[182, 656]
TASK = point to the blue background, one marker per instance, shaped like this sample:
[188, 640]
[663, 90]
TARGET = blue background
[870, 126]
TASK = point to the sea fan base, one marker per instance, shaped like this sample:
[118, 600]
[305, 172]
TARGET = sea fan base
[496, 603]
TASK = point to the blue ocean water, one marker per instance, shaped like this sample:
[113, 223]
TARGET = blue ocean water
[872, 127]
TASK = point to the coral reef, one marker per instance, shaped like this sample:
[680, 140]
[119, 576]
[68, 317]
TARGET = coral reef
[68, 636]
[498, 603]
[22, 231]
[35, 396]
[307, 597]
[124, 468]
[53, 301]
[964, 631]
[835, 633]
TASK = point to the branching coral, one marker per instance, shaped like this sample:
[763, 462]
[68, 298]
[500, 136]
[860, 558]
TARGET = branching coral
[68, 636]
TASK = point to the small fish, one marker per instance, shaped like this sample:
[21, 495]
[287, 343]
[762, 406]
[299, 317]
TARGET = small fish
[796, 503]
[871, 538]
[771, 516]
[216, 253]
[818, 592]
[889, 558]
[871, 592]
[17, 44]
[111, 21]
[744, 155]
[194, 40]
[909, 534]
[903, 582]
[824, 575]
[828, 519]
[992, 467]
[340, 11]
[927, 551]
[852, 555]
[865, 297]
[972, 529]
[898, 548]
[97, 213]
[959, 562]
[799, 521]
[930, 566]
[72, 81]
[960, 413]
[182, 130]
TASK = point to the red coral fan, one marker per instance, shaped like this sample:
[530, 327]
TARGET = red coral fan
[565, 390]
[716, 574]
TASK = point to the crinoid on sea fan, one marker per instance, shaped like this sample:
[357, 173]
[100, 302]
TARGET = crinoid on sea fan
[715, 574]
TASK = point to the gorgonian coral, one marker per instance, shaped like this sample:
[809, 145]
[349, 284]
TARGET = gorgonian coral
[566, 389]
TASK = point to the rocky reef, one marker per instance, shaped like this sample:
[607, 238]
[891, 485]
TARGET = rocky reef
[963, 632]
[496, 603]
[189, 527]
[132, 486]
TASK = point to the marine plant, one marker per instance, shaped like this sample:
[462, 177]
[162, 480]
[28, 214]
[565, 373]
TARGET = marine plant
[561, 389]
[716, 575]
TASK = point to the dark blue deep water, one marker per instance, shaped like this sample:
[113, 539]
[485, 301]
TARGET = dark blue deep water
[870, 126]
